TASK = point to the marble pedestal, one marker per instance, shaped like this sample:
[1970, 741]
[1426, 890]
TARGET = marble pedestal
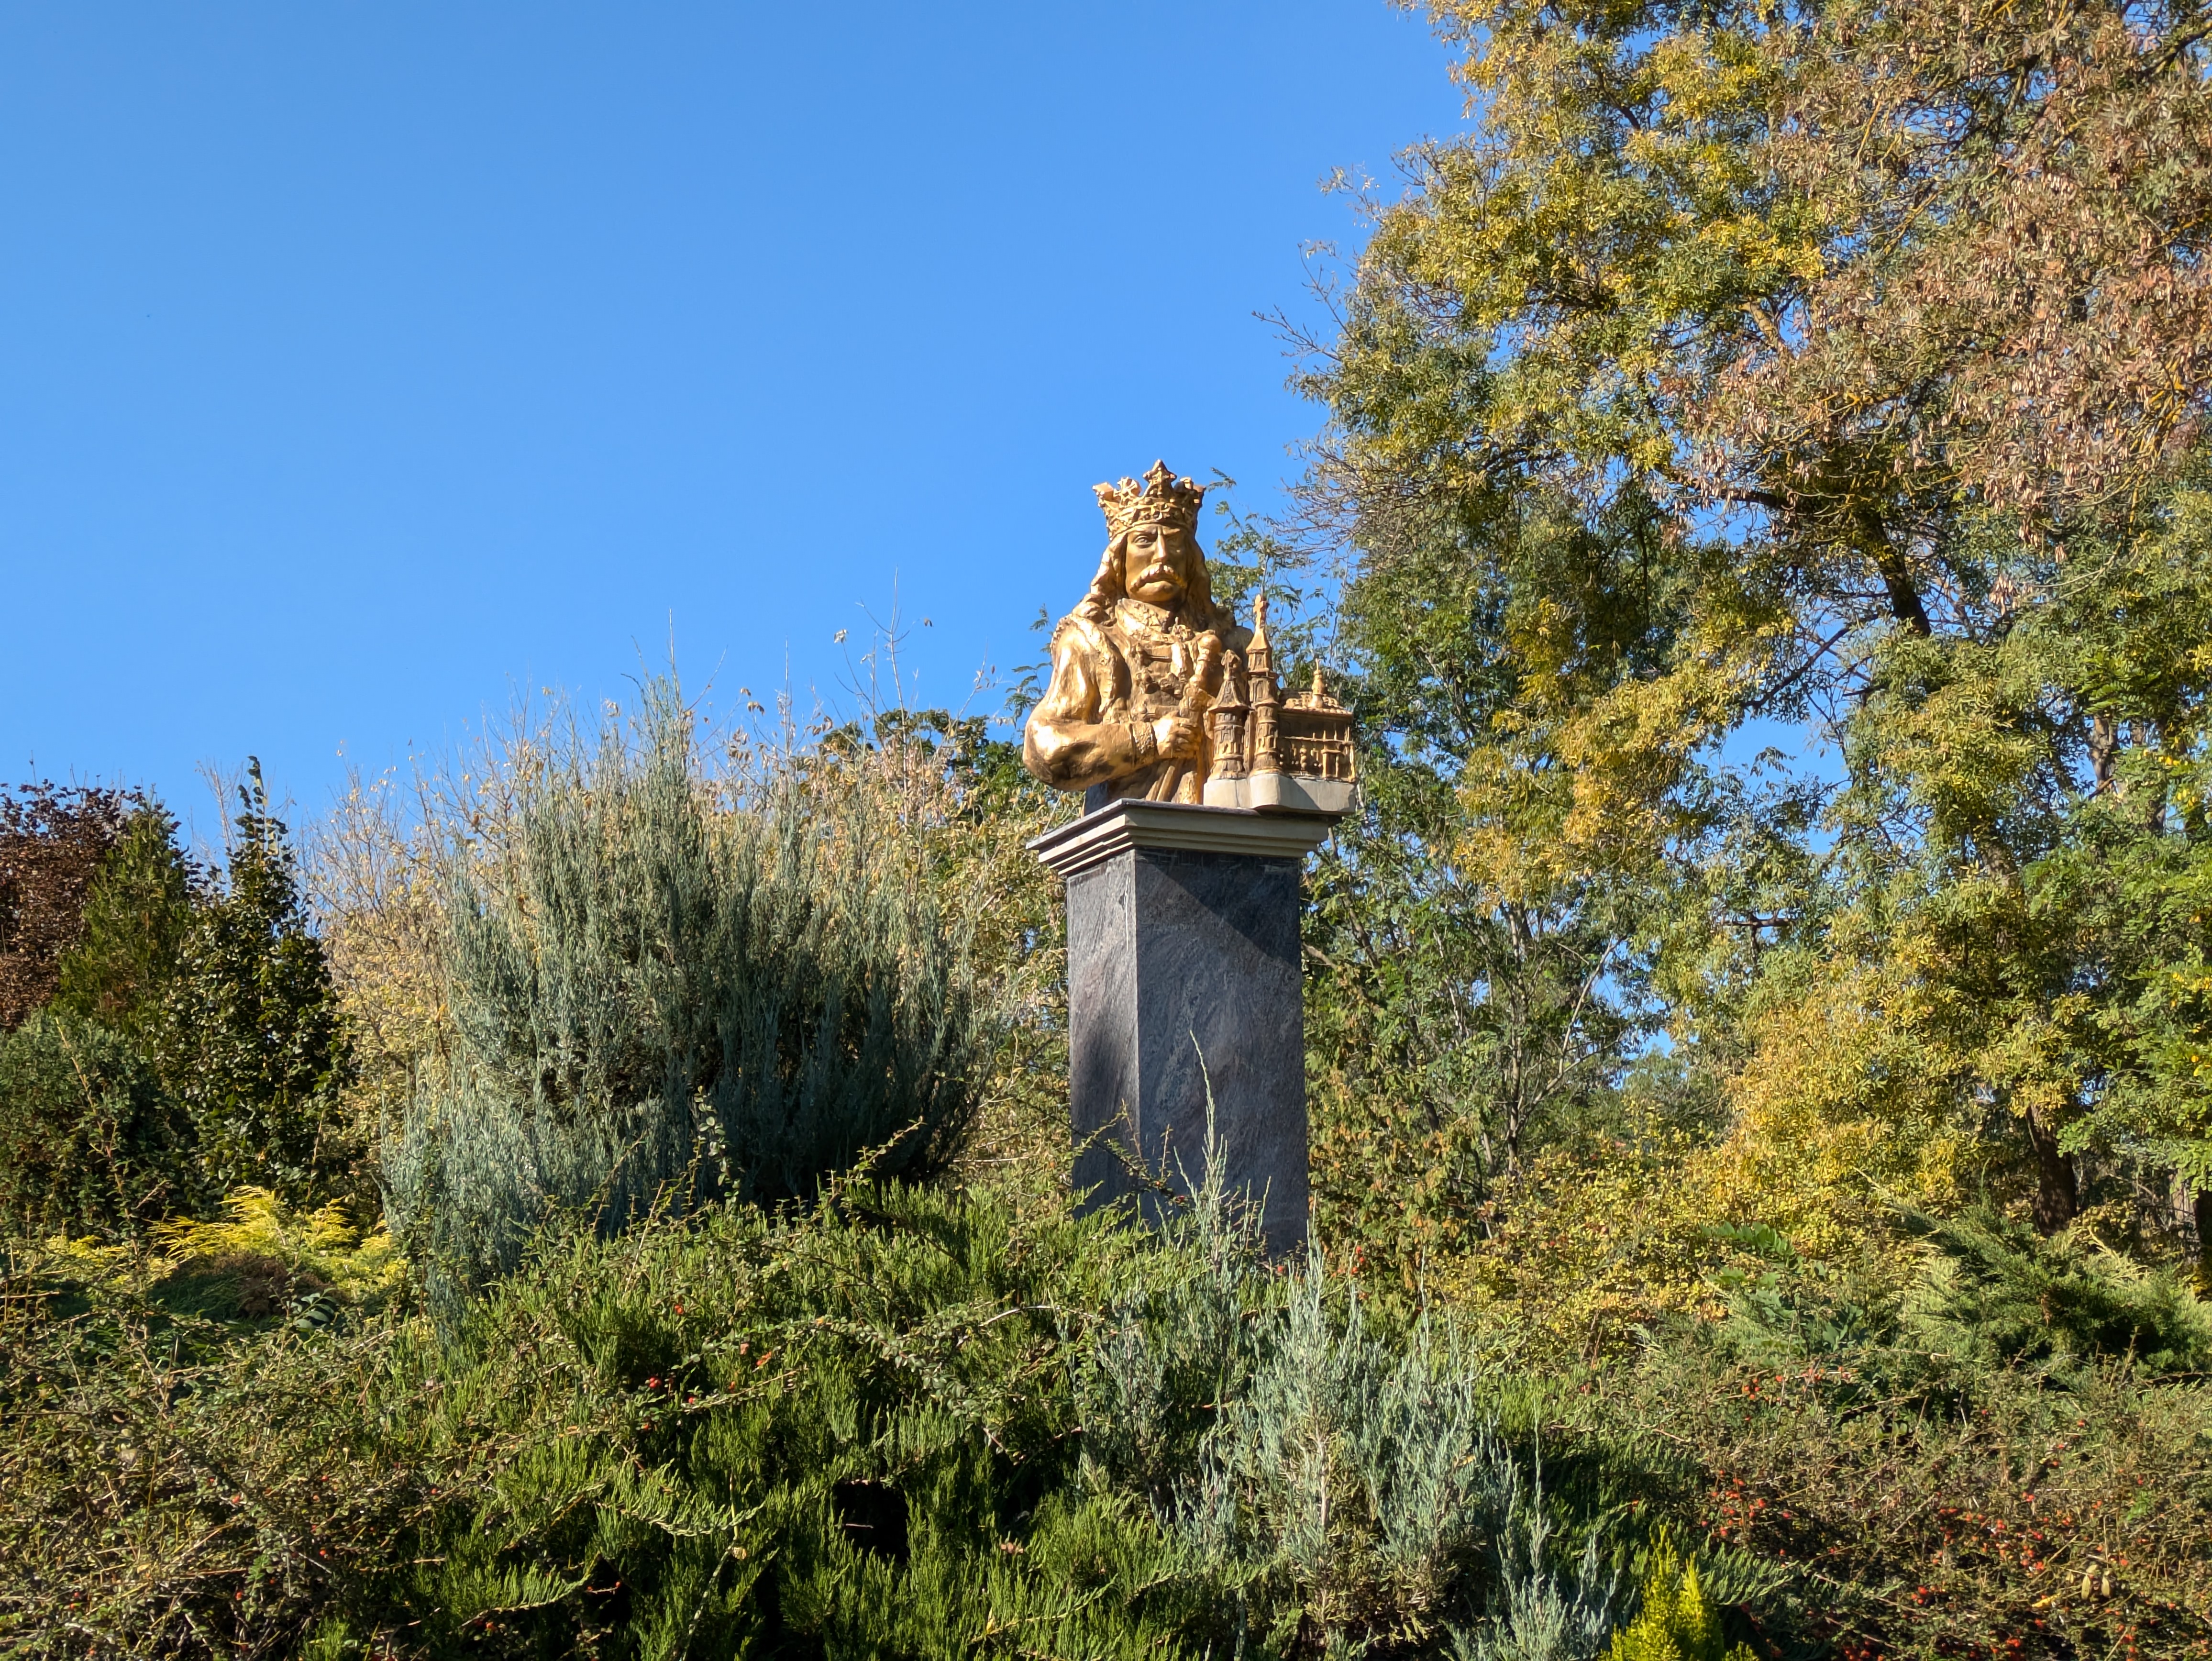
[1182, 971]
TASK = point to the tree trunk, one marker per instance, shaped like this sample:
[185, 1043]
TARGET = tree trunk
[2204, 1239]
[1905, 604]
[2058, 1196]
[2103, 745]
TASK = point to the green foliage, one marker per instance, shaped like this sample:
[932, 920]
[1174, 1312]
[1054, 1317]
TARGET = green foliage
[1470, 1000]
[1996, 1293]
[91, 1141]
[191, 1043]
[651, 979]
[862, 1429]
[1988, 1294]
[1998, 1514]
[909, 1421]
[1676, 1622]
[1348, 1484]
[250, 1040]
[51, 843]
[136, 917]
[96, 1142]
[1682, 393]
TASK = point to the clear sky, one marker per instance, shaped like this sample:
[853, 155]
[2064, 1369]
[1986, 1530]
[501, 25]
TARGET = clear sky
[368, 364]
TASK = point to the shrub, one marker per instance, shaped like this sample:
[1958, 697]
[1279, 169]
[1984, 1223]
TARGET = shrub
[1997, 1291]
[136, 916]
[1349, 1486]
[653, 975]
[262, 1255]
[51, 843]
[191, 1043]
[1676, 1622]
[909, 1422]
[2005, 1516]
[250, 1040]
[91, 1142]
[887, 1425]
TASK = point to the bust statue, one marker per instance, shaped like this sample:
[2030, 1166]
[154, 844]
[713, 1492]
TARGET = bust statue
[1136, 664]
[1158, 694]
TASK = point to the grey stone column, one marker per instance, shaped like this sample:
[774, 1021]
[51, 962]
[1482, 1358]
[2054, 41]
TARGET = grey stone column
[1182, 972]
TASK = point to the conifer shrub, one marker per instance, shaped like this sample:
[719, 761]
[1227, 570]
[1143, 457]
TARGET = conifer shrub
[902, 1421]
[138, 913]
[91, 1142]
[920, 1421]
[261, 1257]
[187, 1039]
[1996, 1292]
[1677, 1621]
[1988, 1294]
[1347, 1485]
[250, 1037]
[664, 984]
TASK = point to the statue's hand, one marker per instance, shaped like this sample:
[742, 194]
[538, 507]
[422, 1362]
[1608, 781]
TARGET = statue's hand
[1177, 737]
[1206, 672]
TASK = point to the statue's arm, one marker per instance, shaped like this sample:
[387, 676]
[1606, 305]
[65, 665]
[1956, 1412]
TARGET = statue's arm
[1066, 744]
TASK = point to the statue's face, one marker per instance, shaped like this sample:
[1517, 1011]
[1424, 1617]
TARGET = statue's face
[1153, 564]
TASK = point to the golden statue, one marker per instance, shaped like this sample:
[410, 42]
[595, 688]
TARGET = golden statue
[1135, 664]
[1156, 692]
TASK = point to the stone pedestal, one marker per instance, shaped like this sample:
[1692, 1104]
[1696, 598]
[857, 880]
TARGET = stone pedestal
[1182, 971]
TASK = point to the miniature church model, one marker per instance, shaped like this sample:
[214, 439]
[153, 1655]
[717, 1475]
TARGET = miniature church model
[1275, 754]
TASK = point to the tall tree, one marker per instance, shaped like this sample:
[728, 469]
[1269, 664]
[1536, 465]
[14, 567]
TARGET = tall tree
[1860, 346]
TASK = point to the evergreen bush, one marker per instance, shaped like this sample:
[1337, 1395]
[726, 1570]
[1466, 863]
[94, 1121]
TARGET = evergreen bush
[251, 1040]
[1988, 1294]
[1677, 1621]
[654, 974]
[861, 1429]
[924, 1422]
[91, 1142]
[136, 916]
[1346, 1484]
[188, 1042]
[1995, 1290]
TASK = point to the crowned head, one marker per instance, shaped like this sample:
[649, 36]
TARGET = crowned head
[1161, 499]
[1151, 549]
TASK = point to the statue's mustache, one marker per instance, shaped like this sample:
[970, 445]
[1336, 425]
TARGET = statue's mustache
[1159, 572]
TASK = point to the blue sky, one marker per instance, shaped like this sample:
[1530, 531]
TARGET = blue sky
[369, 365]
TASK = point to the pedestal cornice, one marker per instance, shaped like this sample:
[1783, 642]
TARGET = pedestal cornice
[1132, 824]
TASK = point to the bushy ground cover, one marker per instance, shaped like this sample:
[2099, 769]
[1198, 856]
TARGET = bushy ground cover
[928, 1422]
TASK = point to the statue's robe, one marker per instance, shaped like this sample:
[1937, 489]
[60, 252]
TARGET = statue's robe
[1111, 679]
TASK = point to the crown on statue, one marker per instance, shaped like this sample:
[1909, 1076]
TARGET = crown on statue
[1161, 499]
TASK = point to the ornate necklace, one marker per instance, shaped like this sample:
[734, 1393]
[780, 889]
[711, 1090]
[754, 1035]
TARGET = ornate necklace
[1142, 617]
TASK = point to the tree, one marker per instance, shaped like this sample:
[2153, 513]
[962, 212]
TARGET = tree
[51, 843]
[1854, 354]
[251, 1042]
[92, 1139]
[135, 917]
[1468, 1000]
